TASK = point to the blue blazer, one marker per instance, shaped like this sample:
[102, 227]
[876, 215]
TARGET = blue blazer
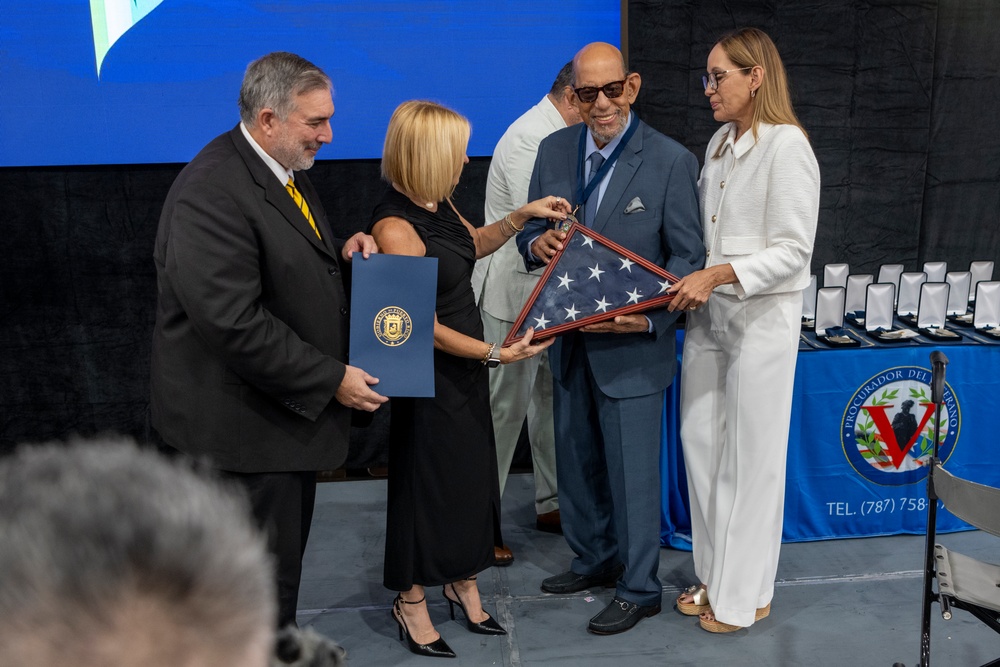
[664, 176]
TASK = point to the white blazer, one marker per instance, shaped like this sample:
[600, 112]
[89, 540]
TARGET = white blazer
[759, 207]
[500, 279]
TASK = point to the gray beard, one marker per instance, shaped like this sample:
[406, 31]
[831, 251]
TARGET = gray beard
[606, 139]
[296, 162]
[291, 156]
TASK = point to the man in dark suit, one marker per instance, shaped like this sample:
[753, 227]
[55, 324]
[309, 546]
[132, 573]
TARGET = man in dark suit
[250, 343]
[610, 376]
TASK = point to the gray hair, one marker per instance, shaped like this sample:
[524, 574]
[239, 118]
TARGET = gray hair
[274, 81]
[112, 555]
[563, 79]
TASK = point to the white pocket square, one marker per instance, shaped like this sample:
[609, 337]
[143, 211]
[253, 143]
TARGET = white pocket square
[634, 206]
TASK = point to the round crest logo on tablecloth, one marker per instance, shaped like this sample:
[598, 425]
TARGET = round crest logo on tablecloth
[392, 326]
[888, 426]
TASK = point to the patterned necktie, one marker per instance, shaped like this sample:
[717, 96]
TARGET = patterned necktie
[300, 201]
[593, 202]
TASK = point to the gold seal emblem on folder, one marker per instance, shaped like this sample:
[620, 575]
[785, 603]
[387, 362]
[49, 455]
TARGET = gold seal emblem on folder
[392, 326]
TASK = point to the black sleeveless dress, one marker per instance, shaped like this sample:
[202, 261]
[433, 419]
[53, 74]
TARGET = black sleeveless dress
[443, 512]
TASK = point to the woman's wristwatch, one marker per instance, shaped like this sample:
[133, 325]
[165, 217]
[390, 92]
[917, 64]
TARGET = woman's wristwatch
[492, 358]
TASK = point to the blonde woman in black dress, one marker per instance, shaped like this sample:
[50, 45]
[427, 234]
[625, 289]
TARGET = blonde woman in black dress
[443, 516]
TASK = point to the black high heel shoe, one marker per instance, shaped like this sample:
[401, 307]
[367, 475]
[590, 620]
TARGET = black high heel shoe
[487, 627]
[436, 649]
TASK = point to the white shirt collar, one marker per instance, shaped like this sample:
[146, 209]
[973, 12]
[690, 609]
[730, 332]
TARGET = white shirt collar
[282, 174]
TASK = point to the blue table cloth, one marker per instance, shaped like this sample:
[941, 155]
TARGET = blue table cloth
[855, 468]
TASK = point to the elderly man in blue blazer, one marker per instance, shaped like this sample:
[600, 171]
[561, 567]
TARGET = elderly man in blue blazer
[639, 189]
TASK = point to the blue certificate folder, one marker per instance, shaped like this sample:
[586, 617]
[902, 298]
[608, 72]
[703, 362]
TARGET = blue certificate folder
[392, 322]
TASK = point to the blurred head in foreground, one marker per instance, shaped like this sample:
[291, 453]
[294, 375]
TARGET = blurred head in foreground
[113, 556]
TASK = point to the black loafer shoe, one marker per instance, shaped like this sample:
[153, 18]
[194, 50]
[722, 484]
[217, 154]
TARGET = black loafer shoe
[571, 582]
[620, 616]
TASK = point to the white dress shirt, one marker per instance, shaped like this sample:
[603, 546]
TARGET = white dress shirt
[282, 174]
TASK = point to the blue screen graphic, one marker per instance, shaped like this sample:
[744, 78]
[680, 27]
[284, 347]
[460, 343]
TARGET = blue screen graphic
[170, 70]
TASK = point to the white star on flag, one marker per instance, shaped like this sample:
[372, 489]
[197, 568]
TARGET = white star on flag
[572, 312]
[664, 286]
[565, 280]
[602, 305]
[595, 272]
[633, 296]
[540, 322]
[626, 264]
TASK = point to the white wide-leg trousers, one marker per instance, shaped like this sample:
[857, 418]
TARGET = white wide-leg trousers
[737, 376]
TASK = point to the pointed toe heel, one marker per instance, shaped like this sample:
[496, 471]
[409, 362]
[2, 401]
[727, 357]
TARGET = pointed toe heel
[487, 627]
[436, 649]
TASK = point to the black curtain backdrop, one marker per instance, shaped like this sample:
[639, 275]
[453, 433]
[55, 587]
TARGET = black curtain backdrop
[900, 99]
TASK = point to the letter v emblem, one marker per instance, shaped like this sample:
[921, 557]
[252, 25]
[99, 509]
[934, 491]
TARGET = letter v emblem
[884, 428]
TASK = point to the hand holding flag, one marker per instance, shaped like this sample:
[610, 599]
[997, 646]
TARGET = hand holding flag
[524, 348]
[694, 289]
[546, 246]
[631, 323]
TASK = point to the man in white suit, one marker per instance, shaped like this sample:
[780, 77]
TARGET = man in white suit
[502, 287]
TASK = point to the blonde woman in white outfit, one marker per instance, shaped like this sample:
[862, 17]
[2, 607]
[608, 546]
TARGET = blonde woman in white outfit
[759, 193]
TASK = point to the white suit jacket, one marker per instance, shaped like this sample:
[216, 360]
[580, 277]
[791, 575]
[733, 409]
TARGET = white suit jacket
[500, 281]
[759, 208]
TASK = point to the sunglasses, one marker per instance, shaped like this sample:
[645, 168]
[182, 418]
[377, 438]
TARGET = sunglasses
[610, 90]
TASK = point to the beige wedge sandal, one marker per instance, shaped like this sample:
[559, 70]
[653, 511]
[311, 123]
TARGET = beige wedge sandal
[699, 601]
[718, 626]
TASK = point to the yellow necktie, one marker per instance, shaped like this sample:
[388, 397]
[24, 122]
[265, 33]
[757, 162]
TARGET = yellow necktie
[300, 201]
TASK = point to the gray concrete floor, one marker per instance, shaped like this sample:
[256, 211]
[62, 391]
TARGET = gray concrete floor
[839, 602]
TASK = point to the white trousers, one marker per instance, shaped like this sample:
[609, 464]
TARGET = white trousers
[737, 376]
[517, 391]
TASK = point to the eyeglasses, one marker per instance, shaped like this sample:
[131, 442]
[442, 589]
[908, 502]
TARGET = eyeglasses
[711, 80]
[611, 90]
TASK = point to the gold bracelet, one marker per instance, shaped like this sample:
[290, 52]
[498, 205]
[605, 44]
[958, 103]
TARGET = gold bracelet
[510, 222]
[489, 352]
[503, 227]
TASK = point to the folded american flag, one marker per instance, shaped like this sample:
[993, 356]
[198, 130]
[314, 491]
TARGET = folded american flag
[590, 280]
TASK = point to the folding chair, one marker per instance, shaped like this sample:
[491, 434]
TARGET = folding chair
[962, 582]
